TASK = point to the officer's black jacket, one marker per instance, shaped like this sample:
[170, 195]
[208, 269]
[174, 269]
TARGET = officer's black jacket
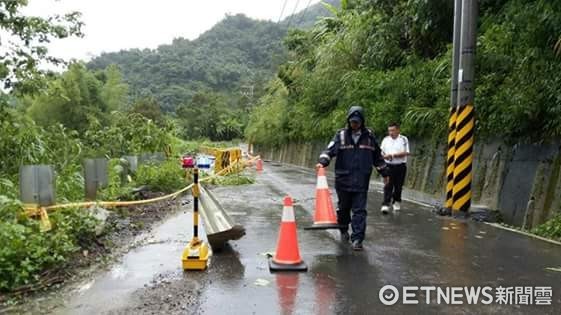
[353, 166]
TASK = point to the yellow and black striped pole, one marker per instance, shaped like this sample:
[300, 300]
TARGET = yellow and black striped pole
[453, 107]
[196, 253]
[196, 193]
[465, 114]
[463, 158]
[450, 159]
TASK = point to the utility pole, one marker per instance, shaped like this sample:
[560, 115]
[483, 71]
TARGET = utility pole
[453, 106]
[465, 115]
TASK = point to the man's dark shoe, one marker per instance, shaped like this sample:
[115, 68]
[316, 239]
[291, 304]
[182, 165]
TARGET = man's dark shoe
[357, 245]
[345, 237]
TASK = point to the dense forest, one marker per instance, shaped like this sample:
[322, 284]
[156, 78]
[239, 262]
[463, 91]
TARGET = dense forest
[210, 79]
[211, 83]
[236, 52]
[393, 58]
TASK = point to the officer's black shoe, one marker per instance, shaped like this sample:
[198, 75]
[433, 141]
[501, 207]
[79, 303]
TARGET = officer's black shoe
[345, 237]
[357, 245]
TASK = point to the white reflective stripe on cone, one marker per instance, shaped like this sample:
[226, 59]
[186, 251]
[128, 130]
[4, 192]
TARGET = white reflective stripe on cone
[288, 214]
[322, 182]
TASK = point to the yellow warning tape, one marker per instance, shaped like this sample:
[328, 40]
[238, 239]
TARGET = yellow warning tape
[45, 224]
[35, 210]
[196, 191]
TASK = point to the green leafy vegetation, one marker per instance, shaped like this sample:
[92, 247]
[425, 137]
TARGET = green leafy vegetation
[26, 48]
[233, 180]
[208, 83]
[209, 115]
[211, 83]
[393, 58]
[235, 53]
[550, 229]
[76, 115]
[167, 177]
[26, 253]
[73, 100]
[119, 104]
[120, 182]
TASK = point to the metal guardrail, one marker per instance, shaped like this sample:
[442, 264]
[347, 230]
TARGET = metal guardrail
[219, 226]
[37, 184]
[34, 209]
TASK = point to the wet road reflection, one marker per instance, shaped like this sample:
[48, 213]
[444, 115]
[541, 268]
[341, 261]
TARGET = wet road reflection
[411, 247]
[287, 289]
[325, 293]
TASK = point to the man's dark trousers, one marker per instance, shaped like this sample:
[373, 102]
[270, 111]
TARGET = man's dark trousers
[355, 202]
[392, 190]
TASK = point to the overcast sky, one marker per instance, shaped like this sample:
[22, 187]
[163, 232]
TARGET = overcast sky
[112, 25]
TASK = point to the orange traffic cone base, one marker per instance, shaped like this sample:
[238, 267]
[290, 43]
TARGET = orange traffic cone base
[323, 226]
[273, 266]
[324, 216]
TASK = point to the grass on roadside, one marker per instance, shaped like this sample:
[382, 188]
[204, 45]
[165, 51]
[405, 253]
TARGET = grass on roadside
[550, 229]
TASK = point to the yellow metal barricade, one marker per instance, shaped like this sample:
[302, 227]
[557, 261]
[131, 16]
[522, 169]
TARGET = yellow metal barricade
[226, 157]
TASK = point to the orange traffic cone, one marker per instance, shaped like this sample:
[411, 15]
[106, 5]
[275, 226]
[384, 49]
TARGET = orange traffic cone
[287, 257]
[259, 165]
[324, 217]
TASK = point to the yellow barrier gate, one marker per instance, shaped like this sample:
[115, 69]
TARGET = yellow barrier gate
[227, 157]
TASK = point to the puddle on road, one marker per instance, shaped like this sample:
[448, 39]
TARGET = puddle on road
[160, 253]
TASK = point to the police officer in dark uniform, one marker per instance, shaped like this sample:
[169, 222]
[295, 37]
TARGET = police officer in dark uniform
[357, 152]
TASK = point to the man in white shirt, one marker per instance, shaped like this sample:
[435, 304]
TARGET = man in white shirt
[395, 149]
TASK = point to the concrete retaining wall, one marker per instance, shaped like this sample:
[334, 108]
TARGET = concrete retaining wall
[521, 181]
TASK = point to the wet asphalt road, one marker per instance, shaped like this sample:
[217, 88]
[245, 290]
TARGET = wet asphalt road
[412, 247]
[409, 248]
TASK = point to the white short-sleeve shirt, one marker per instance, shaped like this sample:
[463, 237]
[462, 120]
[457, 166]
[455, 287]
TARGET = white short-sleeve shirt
[393, 146]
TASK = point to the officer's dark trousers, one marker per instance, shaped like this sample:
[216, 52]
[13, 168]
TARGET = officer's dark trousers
[354, 202]
[392, 190]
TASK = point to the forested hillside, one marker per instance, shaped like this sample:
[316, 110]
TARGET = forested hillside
[211, 83]
[393, 58]
[236, 52]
